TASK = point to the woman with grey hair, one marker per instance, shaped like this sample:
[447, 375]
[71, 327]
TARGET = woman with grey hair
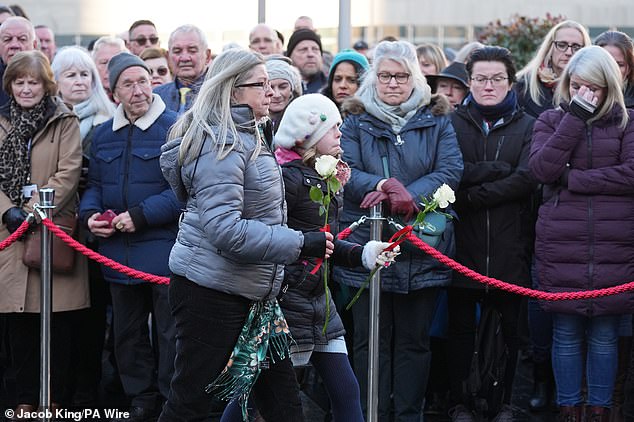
[231, 249]
[400, 145]
[286, 85]
[583, 153]
[78, 84]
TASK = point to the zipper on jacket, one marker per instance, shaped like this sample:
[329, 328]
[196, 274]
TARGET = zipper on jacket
[126, 238]
[127, 167]
[488, 247]
[590, 216]
[498, 148]
[399, 141]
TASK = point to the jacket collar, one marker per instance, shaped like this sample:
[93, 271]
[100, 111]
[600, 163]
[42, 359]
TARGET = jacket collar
[144, 122]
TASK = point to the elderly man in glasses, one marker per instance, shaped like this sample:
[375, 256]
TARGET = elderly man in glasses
[142, 35]
[188, 56]
[125, 177]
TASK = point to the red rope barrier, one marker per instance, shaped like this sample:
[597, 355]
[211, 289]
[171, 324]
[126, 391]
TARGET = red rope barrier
[499, 284]
[15, 235]
[443, 259]
[494, 282]
[102, 259]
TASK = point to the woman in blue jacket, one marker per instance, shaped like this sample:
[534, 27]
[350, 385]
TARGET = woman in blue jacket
[400, 145]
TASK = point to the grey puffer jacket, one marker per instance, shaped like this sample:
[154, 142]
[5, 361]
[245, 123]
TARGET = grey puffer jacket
[233, 236]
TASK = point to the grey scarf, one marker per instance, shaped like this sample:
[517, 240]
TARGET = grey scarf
[395, 116]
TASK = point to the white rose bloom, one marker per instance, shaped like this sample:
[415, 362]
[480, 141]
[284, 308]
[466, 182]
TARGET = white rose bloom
[326, 165]
[444, 195]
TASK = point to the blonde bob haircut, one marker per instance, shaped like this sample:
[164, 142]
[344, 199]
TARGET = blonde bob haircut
[596, 66]
[543, 56]
[210, 115]
[31, 63]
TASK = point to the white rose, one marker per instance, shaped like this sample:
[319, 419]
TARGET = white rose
[444, 195]
[326, 165]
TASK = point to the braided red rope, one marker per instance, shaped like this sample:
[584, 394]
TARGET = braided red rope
[493, 282]
[512, 287]
[499, 284]
[102, 259]
[15, 235]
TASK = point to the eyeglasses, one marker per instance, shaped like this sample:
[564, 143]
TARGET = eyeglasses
[400, 78]
[129, 85]
[563, 46]
[142, 40]
[495, 80]
[264, 86]
[161, 71]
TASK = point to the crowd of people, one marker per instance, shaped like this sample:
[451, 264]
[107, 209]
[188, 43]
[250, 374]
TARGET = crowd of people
[208, 169]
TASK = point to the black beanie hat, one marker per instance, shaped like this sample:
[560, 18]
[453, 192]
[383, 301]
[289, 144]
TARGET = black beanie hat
[302, 35]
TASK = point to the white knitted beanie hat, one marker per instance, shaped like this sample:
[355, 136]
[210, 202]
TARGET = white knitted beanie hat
[306, 120]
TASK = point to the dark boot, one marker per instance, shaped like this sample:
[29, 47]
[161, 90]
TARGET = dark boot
[543, 386]
[569, 414]
[597, 414]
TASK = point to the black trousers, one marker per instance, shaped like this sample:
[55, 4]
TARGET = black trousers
[89, 329]
[404, 351]
[23, 333]
[145, 369]
[462, 330]
[208, 323]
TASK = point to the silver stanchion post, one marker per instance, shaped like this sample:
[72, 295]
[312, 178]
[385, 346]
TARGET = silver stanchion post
[47, 199]
[376, 227]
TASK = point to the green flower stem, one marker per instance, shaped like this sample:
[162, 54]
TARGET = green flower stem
[326, 271]
[363, 286]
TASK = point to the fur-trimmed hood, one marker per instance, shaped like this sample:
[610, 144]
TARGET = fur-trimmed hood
[439, 105]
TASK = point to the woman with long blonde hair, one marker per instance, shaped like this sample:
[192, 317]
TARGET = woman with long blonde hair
[537, 81]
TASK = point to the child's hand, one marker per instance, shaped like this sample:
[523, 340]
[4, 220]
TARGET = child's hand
[374, 254]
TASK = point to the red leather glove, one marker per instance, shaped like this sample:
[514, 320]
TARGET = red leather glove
[401, 202]
[373, 198]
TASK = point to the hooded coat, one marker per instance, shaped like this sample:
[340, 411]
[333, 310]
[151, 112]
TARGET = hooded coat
[423, 155]
[233, 235]
[586, 224]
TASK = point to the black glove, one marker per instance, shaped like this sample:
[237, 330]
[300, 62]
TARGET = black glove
[13, 218]
[582, 109]
[314, 245]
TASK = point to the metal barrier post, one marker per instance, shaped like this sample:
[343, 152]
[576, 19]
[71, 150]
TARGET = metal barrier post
[47, 199]
[376, 227]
